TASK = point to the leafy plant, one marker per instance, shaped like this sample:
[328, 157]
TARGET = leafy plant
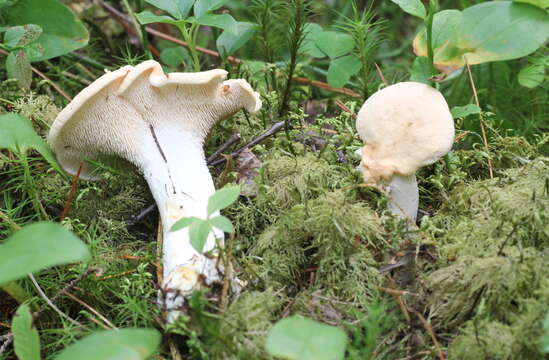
[299, 338]
[235, 34]
[200, 229]
[26, 339]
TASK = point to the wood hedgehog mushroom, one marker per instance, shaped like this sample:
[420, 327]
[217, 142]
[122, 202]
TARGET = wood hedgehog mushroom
[404, 126]
[159, 123]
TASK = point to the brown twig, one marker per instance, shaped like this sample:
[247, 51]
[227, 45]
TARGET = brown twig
[81, 302]
[344, 107]
[227, 144]
[396, 292]
[380, 73]
[76, 77]
[429, 329]
[481, 120]
[325, 86]
[72, 191]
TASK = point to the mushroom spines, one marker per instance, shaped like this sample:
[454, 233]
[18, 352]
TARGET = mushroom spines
[240, 92]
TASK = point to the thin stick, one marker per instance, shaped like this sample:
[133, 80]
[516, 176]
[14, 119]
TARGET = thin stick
[81, 302]
[72, 191]
[76, 77]
[396, 292]
[344, 107]
[232, 140]
[471, 81]
[8, 338]
[380, 73]
[273, 130]
[429, 329]
[325, 86]
[50, 303]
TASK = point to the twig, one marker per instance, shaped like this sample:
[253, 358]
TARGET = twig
[429, 329]
[325, 86]
[8, 338]
[380, 73]
[273, 130]
[481, 121]
[72, 191]
[232, 140]
[51, 304]
[76, 77]
[344, 107]
[105, 320]
[134, 219]
[396, 292]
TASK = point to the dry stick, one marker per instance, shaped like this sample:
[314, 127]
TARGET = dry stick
[232, 140]
[72, 191]
[380, 73]
[491, 170]
[344, 107]
[76, 77]
[233, 60]
[37, 72]
[81, 302]
[429, 329]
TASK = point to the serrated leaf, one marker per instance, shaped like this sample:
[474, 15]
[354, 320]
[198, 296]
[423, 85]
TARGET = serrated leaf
[130, 344]
[308, 45]
[18, 135]
[341, 70]
[298, 338]
[18, 67]
[147, 17]
[223, 198]
[179, 9]
[222, 21]
[464, 111]
[25, 337]
[412, 7]
[36, 247]
[222, 223]
[184, 222]
[201, 7]
[18, 36]
[531, 76]
[62, 31]
[334, 43]
[198, 233]
[229, 42]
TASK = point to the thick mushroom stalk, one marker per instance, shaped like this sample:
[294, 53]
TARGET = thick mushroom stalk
[159, 123]
[404, 127]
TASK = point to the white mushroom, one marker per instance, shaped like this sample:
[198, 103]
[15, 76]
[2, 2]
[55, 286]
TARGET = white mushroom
[404, 127]
[158, 122]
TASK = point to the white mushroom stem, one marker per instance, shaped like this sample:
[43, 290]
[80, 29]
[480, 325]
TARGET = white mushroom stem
[404, 197]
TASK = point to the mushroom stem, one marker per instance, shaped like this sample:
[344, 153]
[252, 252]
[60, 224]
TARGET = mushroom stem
[404, 196]
[175, 168]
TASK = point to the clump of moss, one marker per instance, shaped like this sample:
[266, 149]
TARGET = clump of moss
[491, 285]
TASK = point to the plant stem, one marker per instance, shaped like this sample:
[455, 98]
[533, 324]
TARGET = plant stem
[189, 35]
[30, 187]
[429, 28]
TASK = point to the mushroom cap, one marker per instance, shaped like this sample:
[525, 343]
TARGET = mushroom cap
[404, 126]
[114, 114]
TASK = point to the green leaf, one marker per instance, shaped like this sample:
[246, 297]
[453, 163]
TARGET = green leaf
[18, 67]
[62, 32]
[341, 70]
[421, 70]
[174, 56]
[198, 234]
[222, 223]
[532, 76]
[333, 43]
[18, 36]
[539, 3]
[545, 340]
[25, 337]
[127, 344]
[184, 222]
[298, 338]
[464, 111]
[179, 9]
[36, 247]
[202, 7]
[223, 198]
[223, 21]
[412, 7]
[34, 50]
[308, 45]
[18, 135]
[147, 17]
[489, 31]
[228, 42]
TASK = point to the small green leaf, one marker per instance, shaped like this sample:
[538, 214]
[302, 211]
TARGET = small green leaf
[147, 17]
[544, 4]
[308, 46]
[184, 222]
[334, 43]
[532, 76]
[341, 70]
[34, 50]
[223, 198]
[36, 247]
[464, 111]
[18, 135]
[223, 21]
[298, 338]
[18, 67]
[198, 233]
[18, 36]
[412, 7]
[202, 7]
[222, 223]
[228, 42]
[174, 56]
[130, 344]
[25, 337]
[421, 70]
[179, 9]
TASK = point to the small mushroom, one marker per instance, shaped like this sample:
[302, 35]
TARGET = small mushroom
[404, 127]
[158, 122]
